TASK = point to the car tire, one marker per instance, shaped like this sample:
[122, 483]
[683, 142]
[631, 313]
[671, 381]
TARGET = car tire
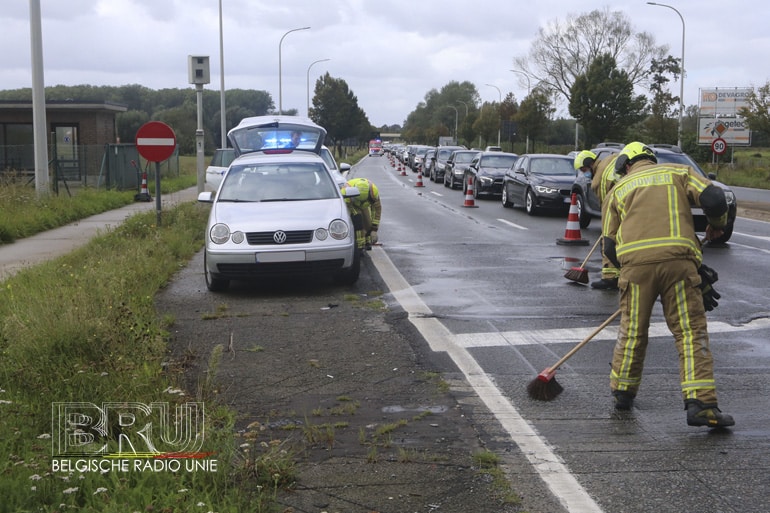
[507, 203]
[213, 283]
[727, 233]
[583, 215]
[530, 203]
[350, 276]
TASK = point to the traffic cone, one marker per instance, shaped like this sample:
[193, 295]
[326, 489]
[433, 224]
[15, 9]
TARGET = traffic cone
[419, 179]
[469, 200]
[144, 193]
[402, 169]
[572, 233]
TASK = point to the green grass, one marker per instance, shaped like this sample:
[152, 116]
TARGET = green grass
[83, 328]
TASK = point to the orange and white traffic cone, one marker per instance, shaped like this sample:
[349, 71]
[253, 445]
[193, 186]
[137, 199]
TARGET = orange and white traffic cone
[402, 169]
[572, 235]
[469, 200]
[419, 179]
[144, 193]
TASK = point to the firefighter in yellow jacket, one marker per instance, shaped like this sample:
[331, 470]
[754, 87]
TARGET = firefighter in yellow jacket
[649, 235]
[603, 177]
[366, 211]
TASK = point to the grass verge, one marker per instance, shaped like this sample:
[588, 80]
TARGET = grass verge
[83, 328]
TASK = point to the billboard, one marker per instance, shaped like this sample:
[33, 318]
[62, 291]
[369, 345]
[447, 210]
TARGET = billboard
[724, 101]
[734, 131]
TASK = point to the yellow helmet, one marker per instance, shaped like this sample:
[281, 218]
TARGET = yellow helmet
[632, 152]
[584, 159]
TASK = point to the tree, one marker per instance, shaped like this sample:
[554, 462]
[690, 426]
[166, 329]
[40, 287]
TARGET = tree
[335, 108]
[603, 102]
[757, 114]
[534, 114]
[564, 51]
[661, 126]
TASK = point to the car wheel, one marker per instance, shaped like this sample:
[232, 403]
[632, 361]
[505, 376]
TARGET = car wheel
[213, 283]
[507, 203]
[585, 217]
[531, 203]
[350, 276]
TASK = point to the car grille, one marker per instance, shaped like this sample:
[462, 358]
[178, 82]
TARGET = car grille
[245, 271]
[268, 238]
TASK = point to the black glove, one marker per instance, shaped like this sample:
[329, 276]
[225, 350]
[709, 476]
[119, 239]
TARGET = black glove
[708, 277]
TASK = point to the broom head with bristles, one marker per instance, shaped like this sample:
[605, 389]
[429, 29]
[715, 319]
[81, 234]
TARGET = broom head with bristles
[577, 274]
[545, 387]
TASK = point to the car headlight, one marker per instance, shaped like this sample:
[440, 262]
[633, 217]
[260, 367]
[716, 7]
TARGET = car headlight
[219, 233]
[339, 229]
[730, 197]
[238, 237]
[486, 179]
[321, 234]
[542, 189]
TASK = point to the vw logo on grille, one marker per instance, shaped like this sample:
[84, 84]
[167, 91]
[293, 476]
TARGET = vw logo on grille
[279, 237]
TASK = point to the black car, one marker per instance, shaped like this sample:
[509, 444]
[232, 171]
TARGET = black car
[539, 181]
[439, 161]
[487, 170]
[458, 162]
[588, 203]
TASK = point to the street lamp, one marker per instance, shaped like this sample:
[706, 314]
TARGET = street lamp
[681, 78]
[456, 114]
[526, 148]
[466, 107]
[308, 82]
[501, 105]
[280, 92]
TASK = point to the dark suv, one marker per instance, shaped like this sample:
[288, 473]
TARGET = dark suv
[588, 204]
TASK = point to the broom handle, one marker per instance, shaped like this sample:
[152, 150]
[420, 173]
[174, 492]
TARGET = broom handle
[585, 340]
[596, 244]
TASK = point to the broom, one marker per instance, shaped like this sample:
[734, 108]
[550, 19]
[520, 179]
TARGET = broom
[545, 387]
[580, 274]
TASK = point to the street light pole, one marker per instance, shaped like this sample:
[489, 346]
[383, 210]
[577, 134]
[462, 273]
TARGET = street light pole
[456, 114]
[466, 107]
[308, 82]
[500, 94]
[526, 147]
[280, 85]
[222, 111]
[681, 77]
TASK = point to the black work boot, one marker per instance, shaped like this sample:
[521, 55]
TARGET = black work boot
[605, 284]
[699, 414]
[624, 399]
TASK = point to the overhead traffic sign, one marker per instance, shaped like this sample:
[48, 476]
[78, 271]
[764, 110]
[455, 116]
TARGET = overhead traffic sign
[719, 146]
[155, 141]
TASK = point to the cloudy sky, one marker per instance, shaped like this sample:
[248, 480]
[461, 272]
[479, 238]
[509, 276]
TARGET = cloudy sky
[390, 53]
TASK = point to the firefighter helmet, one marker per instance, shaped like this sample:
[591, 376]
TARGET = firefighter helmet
[632, 152]
[583, 159]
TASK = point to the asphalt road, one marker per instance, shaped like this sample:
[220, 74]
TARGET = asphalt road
[486, 286]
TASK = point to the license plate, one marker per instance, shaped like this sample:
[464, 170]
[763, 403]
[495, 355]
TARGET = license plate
[281, 256]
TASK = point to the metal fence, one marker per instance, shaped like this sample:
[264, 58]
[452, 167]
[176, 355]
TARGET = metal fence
[110, 166]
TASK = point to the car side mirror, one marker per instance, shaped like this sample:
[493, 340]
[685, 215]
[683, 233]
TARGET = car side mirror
[206, 197]
[350, 192]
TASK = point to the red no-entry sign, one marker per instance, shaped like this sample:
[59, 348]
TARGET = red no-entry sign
[155, 141]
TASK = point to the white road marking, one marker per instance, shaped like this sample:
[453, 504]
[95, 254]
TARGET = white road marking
[505, 221]
[575, 335]
[436, 193]
[546, 463]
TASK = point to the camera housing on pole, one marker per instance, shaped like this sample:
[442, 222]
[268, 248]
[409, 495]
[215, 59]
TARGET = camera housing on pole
[198, 73]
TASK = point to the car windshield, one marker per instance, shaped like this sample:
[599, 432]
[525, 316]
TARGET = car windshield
[463, 158]
[271, 137]
[443, 154]
[549, 166]
[678, 158]
[278, 182]
[498, 161]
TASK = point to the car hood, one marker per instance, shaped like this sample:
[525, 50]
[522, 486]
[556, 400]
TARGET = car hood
[557, 181]
[278, 215]
[492, 171]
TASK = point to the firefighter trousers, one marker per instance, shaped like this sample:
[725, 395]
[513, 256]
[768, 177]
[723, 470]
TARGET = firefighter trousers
[676, 283]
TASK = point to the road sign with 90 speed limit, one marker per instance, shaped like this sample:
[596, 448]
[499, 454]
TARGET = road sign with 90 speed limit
[719, 146]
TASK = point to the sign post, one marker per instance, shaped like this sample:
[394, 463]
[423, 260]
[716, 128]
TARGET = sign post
[156, 142]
